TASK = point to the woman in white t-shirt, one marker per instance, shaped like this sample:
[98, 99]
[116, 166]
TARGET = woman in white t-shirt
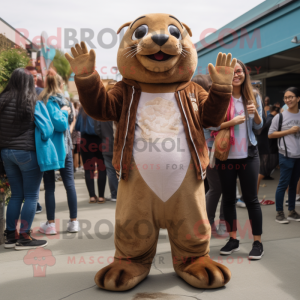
[289, 154]
[245, 113]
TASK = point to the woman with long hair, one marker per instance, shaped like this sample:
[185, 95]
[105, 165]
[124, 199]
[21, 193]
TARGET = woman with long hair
[214, 191]
[18, 152]
[245, 112]
[59, 110]
[91, 152]
[289, 154]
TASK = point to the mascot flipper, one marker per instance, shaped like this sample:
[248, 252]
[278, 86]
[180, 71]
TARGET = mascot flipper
[160, 152]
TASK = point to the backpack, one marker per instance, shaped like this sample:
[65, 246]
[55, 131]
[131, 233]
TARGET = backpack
[279, 129]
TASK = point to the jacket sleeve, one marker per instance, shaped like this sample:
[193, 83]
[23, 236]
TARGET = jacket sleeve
[58, 117]
[213, 105]
[259, 110]
[97, 103]
[42, 121]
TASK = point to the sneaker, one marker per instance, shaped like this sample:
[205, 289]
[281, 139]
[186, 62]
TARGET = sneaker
[257, 251]
[39, 208]
[11, 238]
[47, 228]
[293, 216]
[113, 200]
[26, 242]
[280, 218]
[232, 245]
[222, 230]
[73, 226]
[240, 203]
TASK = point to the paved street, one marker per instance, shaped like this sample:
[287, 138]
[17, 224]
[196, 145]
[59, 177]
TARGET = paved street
[73, 260]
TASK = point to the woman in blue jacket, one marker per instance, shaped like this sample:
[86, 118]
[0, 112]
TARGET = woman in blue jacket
[59, 110]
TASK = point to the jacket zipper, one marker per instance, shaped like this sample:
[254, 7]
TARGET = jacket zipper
[126, 134]
[203, 174]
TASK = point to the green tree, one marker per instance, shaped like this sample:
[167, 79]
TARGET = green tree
[11, 59]
[61, 65]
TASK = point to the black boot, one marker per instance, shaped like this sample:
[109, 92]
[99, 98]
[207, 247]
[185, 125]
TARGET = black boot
[26, 242]
[11, 238]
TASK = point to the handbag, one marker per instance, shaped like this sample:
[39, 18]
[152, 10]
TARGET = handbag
[222, 144]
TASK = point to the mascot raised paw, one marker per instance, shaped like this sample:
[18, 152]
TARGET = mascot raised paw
[160, 152]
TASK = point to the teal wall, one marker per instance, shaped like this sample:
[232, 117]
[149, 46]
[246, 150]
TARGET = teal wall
[273, 33]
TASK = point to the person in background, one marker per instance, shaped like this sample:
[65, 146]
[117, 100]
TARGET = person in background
[105, 131]
[277, 104]
[38, 90]
[243, 160]
[268, 151]
[267, 105]
[18, 152]
[34, 73]
[76, 136]
[289, 154]
[214, 193]
[91, 152]
[60, 111]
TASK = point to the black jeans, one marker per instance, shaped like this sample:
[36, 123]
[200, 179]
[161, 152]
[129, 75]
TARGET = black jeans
[67, 175]
[92, 156]
[247, 169]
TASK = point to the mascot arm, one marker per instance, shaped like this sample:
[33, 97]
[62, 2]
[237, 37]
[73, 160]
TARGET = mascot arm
[96, 102]
[213, 106]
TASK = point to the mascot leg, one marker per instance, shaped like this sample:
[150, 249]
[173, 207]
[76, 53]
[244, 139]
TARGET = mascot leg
[189, 233]
[136, 235]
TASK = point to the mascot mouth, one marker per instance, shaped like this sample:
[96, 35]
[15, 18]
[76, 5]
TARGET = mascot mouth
[160, 56]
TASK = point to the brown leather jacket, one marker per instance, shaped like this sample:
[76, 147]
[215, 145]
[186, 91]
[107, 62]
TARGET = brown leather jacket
[198, 110]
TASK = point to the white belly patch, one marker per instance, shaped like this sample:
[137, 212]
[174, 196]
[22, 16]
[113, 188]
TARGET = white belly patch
[161, 150]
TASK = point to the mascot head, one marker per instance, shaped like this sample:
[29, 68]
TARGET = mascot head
[157, 48]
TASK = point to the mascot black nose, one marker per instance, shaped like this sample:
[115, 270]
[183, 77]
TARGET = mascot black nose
[160, 39]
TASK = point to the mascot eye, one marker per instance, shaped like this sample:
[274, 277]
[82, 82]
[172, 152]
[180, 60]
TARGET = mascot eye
[140, 32]
[175, 32]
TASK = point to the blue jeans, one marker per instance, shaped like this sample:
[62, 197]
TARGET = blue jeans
[25, 177]
[67, 175]
[111, 174]
[289, 176]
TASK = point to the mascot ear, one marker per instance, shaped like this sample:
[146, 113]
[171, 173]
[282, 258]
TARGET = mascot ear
[187, 29]
[124, 25]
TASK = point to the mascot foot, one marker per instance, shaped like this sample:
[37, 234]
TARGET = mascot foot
[204, 273]
[121, 276]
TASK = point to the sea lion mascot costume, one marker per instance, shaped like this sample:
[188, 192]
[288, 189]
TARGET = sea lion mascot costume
[160, 152]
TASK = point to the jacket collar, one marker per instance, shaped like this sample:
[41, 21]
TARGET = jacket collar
[134, 83]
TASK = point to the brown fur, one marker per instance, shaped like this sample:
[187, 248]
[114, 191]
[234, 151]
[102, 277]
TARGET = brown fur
[136, 201]
[140, 68]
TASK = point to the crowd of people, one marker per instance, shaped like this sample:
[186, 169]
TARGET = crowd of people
[258, 146]
[42, 131]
